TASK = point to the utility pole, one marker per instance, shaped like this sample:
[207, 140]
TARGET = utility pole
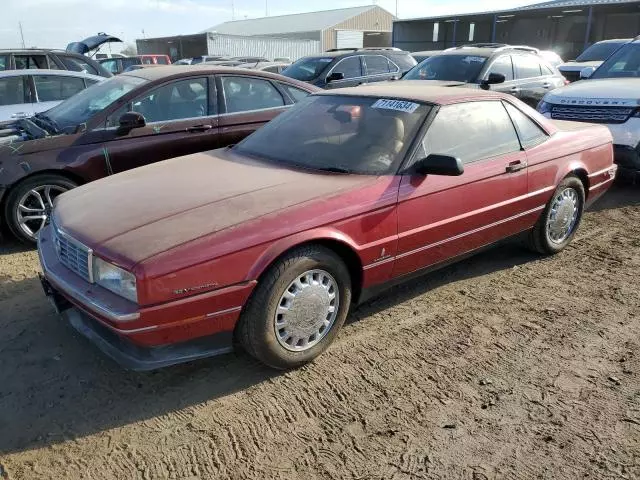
[266, 8]
[396, 8]
[233, 11]
[21, 34]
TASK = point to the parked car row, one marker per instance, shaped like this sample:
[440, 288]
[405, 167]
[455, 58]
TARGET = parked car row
[270, 241]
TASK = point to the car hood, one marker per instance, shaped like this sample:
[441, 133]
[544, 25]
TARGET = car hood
[622, 91]
[91, 43]
[138, 214]
[577, 66]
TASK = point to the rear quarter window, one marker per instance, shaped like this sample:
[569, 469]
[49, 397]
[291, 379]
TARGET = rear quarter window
[403, 60]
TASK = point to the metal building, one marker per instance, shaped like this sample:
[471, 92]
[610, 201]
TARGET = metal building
[208, 43]
[565, 26]
[357, 27]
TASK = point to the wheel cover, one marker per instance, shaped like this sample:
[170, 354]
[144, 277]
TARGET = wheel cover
[563, 215]
[307, 310]
[35, 206]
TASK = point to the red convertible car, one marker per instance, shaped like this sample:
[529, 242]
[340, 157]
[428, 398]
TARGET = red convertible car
[271, 241]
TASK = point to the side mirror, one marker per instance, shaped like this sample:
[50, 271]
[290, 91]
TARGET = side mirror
[586, 72]
[335, 76]
[436, 164]
[129, 121]
[492, 79]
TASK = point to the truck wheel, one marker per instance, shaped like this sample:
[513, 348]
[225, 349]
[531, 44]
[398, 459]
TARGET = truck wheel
[297, 308]
[28, 206]
[560, 219]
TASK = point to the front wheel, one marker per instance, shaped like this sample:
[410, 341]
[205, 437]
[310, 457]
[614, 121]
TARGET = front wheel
[560, 219]
[297, 308]
[29, 205]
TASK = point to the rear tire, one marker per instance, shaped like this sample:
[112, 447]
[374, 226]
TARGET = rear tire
[560, 219]
[297, 308]
[29, 204]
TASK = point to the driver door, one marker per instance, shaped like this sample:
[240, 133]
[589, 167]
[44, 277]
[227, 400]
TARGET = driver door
[181, 118]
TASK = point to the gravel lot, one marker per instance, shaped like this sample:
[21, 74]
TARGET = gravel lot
[507, 365]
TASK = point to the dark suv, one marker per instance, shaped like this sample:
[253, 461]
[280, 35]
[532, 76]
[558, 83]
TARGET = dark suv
[515, 70]
[50, 60]
[351, 67]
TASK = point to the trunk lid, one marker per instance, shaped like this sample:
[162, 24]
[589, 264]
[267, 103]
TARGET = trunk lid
[91, 43]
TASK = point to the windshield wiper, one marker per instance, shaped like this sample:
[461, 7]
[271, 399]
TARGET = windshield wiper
[334, 169]
[48, 124]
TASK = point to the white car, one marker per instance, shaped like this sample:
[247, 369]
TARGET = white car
[23, 93]
[608, 95]
[593, 56]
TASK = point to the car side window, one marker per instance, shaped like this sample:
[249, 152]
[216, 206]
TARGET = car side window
[350, 67]
[243, 94]
[53, 88]
[110, 65]
[296, 94]
[174, 101]
[526, 66]
[30, 62]
[76, 65]
[12, 90]
[4, 62]
[546, 70]
[274, 69]
[529, 132]
[470, 131]
[376, 64]
[504, 66]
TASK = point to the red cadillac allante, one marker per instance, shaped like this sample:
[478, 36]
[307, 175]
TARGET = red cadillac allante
[270, 241]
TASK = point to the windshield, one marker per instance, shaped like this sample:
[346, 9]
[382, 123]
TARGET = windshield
[598, 52]
[339, 133]
[625, 63]
[82, 106]
[307, 69]
[458, 68]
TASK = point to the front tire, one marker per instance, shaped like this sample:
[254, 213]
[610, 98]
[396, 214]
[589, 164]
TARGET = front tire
[560, 219]
[297, 309]
[28, 206]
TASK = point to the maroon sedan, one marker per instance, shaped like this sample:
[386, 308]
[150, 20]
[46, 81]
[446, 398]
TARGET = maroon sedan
[273, 240]
[128, 121]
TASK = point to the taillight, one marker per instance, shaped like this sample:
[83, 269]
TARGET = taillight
[566, 82]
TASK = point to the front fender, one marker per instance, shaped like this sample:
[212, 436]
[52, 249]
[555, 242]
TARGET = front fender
[285, 244]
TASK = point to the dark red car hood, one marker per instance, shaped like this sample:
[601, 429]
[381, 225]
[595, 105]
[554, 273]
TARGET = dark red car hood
[149, 210]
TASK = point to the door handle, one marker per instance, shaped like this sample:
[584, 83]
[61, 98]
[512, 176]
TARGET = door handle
[515, 89]
[516, 166]
[546, 85]
[199, 128]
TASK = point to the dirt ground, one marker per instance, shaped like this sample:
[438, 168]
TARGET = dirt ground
[507, 365]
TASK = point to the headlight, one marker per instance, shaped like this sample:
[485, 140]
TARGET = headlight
[115, 279]
[544, 107]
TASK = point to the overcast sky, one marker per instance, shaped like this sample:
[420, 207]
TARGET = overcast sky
[55, 23]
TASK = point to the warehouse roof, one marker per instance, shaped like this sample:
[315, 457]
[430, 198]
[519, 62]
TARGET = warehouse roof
[535, 6]
[300, 22]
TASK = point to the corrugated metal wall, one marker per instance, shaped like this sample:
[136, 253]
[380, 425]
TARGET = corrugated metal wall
[375, 20]
[235, 46]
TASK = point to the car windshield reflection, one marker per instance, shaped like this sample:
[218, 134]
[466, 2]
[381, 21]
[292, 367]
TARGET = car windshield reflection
[340, 134]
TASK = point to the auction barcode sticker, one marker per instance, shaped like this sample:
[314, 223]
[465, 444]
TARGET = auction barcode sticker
[399, 105]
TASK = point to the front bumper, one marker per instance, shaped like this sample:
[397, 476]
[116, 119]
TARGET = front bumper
[142, 338]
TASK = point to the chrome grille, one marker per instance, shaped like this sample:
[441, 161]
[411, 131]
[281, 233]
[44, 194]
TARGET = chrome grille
[72, 254]
[591, 114]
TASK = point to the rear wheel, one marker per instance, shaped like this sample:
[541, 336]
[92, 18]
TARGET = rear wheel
[297, 308]
[560, 219]
[28, 206]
